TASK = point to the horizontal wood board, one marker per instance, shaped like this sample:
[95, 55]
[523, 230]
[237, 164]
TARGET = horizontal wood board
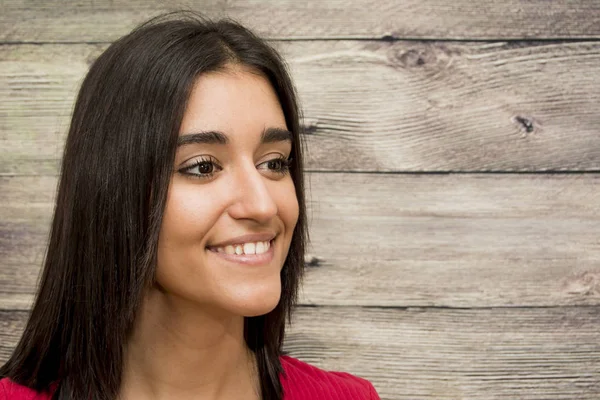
[369, 106]
[106, 20]
[515, 353]
[458, 240]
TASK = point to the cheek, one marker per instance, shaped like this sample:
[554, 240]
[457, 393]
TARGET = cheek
[189, 215]
[288, 205]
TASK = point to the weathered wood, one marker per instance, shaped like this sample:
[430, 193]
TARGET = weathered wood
[106, 20]
[457, 354]
[397, 240]
[12, 323]
[369, 106]
[514, 353]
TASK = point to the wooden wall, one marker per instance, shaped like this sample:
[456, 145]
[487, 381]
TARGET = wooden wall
[454, 157]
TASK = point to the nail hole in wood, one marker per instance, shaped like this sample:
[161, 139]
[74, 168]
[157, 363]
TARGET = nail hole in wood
[309, 129]
[312, 261]
[525, 122]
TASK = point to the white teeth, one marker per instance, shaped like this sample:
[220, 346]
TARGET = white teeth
[249, 248]
[246, 248]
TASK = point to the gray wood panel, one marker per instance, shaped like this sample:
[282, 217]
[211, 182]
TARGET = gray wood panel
[106, 20]
[459, 240]
[369, 106]
[415, 353]
[540, 353]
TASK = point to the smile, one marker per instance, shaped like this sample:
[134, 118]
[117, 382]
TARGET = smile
[245, 248]
[251, 253]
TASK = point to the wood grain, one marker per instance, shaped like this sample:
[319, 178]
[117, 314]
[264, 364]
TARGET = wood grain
[457, 354]
[369, 106]
[432, 285]
[458, 240]
[415, 353]
[106, 20]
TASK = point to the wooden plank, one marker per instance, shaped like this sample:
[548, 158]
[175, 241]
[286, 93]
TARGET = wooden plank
[518, 353]
[397, 240]
[369, 106]
[106, 20]
[12, 324]
[37, 97]
[457, 354]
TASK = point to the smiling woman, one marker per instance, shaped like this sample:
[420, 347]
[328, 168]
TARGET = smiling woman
[178, 237]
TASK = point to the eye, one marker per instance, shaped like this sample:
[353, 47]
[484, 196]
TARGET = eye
[205, 167]
[280, 165]
[202, 168]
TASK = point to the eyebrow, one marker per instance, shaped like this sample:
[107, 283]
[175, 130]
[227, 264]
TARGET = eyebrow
[269, 135]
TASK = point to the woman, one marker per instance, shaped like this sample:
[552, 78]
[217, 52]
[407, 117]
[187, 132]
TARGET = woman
[178, 237]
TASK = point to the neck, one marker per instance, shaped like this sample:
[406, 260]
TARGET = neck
[177, 351]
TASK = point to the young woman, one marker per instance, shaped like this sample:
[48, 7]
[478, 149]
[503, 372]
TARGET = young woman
[178, 237]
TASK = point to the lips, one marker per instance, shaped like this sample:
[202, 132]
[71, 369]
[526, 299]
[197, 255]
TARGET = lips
[250, 248]
[246, 259]
[243, 249]
[248, 238]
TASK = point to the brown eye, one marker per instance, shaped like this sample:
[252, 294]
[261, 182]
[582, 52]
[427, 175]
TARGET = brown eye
[202, 168]
[275, 165]
[278, 165]
[205, 167]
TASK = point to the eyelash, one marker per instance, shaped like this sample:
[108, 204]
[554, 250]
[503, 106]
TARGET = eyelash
[284, 169]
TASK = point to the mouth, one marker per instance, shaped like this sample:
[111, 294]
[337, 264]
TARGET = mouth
[249, 253]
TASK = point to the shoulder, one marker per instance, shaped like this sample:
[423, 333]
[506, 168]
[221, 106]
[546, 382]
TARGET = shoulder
[14, 391]
[304, 381]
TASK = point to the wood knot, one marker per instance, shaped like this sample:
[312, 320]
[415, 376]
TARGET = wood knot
[525, 122]
[586, 284]
[388, 38]
[427, 57]
[309, 128]
[414, 58]
[312, 261]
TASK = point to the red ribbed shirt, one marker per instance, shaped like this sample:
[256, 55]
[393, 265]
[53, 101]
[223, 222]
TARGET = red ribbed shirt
[301, 381]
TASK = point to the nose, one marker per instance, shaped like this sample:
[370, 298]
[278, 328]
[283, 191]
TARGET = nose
[253, 199]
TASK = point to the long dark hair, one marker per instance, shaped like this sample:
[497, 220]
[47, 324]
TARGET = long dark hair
[116, 169]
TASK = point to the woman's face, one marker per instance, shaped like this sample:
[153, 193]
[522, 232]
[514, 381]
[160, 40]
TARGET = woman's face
[231, 207]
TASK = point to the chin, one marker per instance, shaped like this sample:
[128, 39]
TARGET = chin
[257, 302]
[258, 311]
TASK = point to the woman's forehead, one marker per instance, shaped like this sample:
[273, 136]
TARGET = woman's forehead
[232, 101]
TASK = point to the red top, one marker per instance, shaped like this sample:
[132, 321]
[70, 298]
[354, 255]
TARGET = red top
[301, 382]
